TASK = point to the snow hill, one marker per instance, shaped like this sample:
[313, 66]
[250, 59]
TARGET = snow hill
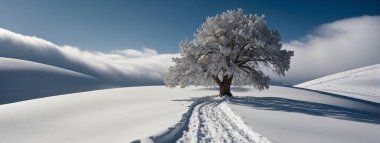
[160, 114]
[23, 80]
[362, 83]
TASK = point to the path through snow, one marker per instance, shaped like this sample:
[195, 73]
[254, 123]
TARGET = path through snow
[210, 120]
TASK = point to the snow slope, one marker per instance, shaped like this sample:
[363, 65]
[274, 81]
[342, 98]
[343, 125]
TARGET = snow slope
[159, 114]
[23, 80]
[289, 115]
[361, 83]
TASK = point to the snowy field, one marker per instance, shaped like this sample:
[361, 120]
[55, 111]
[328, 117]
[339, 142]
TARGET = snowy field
[160, 114]
[362, 83]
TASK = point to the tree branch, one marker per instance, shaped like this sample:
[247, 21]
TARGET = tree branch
[217, 80]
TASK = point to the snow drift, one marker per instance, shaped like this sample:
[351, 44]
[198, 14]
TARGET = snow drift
[361, 83]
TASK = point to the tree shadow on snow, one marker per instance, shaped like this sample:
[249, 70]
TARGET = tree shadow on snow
[233, 89]
[305, 107]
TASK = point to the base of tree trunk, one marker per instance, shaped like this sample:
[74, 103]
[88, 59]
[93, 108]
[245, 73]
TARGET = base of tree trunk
[225, 87]
[225, 93]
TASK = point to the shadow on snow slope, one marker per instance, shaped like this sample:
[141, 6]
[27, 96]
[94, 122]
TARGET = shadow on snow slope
[305, 107]
[338, 96]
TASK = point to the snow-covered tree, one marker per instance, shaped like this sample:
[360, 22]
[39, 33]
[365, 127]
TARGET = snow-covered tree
[230, 48]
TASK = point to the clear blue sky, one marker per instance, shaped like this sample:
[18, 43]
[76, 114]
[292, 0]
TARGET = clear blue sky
[104, 25]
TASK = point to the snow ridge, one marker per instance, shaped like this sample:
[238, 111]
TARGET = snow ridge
[362, 83]
[210, 120]
[364, 72]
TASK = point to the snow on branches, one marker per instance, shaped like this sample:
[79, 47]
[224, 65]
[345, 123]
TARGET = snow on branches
[230, 47]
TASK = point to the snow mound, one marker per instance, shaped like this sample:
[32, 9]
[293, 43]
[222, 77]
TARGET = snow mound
[160, 114]
[362, 83]
[22, 80]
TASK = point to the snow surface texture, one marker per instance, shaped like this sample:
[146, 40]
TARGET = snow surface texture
[213, 121]
[23, 80]
[362, 83]
[156, 113]
[210, 120]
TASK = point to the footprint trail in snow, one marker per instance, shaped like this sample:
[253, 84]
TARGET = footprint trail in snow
[210, 120]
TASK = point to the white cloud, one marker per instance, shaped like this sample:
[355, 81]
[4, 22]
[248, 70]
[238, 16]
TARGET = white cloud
[132, 53]
[124, 67]
[334, 47]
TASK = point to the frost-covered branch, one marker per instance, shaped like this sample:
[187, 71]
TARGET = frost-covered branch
[231, 46]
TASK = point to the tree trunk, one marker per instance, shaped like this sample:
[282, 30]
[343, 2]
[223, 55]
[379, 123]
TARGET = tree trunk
[224, 87]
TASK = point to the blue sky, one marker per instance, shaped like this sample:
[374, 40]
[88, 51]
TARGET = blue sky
[105, 25]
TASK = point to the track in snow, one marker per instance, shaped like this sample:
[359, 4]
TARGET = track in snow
[210, 120]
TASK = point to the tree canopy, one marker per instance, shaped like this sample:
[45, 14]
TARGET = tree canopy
[230, 48]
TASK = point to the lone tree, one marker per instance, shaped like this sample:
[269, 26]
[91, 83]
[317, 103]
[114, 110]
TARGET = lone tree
[230, 48]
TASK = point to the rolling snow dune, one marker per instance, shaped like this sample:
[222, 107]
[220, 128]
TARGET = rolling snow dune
[159, 114]
[23, 80]
[362, 83]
